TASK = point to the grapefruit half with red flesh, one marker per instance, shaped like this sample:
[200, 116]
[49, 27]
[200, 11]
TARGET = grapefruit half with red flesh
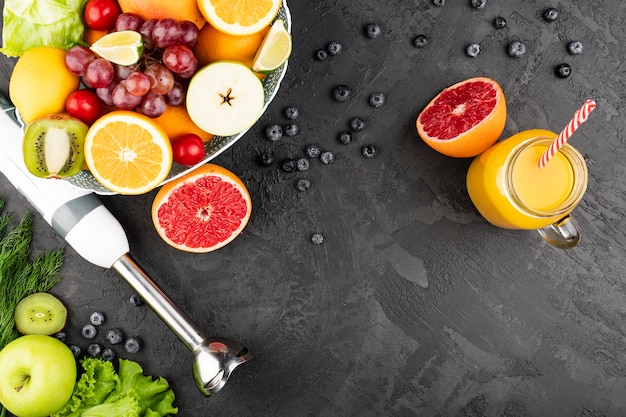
[464, 119]
[203, 210]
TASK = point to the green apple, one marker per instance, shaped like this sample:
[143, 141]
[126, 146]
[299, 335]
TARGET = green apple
[37, 375]
[225, 98]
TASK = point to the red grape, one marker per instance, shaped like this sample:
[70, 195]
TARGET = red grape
[153, 105]
[167, 32]
[176, 96]
[146, 33]
[138, 83]
[104, 94]
[128, 21]
[122, 72]
[190, 32]
[161, 79]
[78, 58]
[178, 58]
[191, 71]
[122, 99]
[99, 73]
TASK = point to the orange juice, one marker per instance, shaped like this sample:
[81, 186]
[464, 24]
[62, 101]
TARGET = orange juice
[509, 189]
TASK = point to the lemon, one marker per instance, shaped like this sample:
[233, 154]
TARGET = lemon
[274, 50]
[122, 48]
[41, 83]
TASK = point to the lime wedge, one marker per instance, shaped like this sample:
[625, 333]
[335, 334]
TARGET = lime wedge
[274, 50]
[122, 48]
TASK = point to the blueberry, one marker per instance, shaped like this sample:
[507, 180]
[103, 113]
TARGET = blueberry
[334, 48]
[341, 93]
[516, 49]
[575, 48]
[135, 300]
[288, 165]
[114, 336]
[317, 238]
[372, 30]
[439, 3]
[291, 129]
[62, 336]
[550, 14]
[377, 99]
[563, 70]
[302, 164]
[97, 318]
[303, 184]
[472, 50]
[108, 354]
[265, 159]
[132, 345]
[89, 331]
[76, 351]
[344, 137]
[327, 157]
[369, 151]
[420, 41]
[312, 150]
[478, 4]
[273, 132]
[499, 22]
[94, 349]
[357, 124]
[321, 55]
[291, 112]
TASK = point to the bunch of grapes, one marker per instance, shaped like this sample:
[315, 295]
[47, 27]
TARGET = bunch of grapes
[159, 78]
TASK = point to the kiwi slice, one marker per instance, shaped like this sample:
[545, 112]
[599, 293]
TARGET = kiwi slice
[40, 313]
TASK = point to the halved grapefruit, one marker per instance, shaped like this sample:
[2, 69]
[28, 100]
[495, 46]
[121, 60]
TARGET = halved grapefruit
[464, 119]
[203, 210]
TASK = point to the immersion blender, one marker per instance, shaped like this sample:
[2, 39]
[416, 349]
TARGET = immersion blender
[92, 231]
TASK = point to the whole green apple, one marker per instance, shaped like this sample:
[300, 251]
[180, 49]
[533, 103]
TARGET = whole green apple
[37, 375]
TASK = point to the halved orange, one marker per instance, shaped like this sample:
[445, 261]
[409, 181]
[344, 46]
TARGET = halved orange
[464, 119]
[239, 17]
[127, 152]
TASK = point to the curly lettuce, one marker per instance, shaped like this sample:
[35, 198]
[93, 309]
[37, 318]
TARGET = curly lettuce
[38, 23]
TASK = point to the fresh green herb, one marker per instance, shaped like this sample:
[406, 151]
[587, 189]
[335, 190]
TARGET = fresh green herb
[101, 392]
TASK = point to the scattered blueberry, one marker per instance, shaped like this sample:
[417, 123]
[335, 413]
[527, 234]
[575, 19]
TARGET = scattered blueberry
[563, 70]
[132, 345]
[62, 336]
[357, 124]
[516, 49]
[135, 300]
[369, 151]
[94, 349]
[265, 159]
[341, 93]
[321, 55]
[550, 14]
[334, 48]
[312, 150]
[77, 351]
[439, 3]
[288, 165]
[89, 331]
[97, 318]
[478, 4]
[575, 48]
[327, 157]
[108, 354]
[302, 164]
[344, 137]
[420, 41]
[377, 99]
[317, 238]
[303, 184]
[273, 132]
[291, 129]
[499, 22]
[114, 336]
[372, 30]
[291, 112]
[472, 50]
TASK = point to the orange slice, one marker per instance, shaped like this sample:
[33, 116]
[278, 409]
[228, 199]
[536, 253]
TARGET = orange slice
[127, 152]
[464, 119]
[239, 17]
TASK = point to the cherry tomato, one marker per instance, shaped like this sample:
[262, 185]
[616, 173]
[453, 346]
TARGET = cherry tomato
[188, 149]
[83, 105]
[101, 14]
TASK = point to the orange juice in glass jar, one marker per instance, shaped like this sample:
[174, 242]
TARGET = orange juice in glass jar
[511, 191]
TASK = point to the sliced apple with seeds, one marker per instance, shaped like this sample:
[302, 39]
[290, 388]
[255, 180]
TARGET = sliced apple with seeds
[225, 98]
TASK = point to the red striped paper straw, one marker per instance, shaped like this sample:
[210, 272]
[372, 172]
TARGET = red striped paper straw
[580, 116]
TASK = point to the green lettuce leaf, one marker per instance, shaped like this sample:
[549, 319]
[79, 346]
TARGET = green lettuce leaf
[37, 23]
[126, 406]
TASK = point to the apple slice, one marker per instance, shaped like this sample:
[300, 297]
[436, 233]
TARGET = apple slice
[225, 98]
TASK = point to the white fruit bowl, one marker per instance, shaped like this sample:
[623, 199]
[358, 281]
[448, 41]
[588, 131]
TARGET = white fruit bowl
[215, 146]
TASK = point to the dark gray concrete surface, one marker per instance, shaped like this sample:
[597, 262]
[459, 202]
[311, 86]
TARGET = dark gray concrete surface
[414, 305]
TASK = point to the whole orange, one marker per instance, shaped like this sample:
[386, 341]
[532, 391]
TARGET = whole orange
[176, 122]
[214, 45]
[159, 9]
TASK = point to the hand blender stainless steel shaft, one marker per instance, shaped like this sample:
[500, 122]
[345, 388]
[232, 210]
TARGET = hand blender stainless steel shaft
[83, 221]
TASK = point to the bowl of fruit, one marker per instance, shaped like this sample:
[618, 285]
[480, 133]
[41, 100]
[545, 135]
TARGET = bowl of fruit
[159, 91]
